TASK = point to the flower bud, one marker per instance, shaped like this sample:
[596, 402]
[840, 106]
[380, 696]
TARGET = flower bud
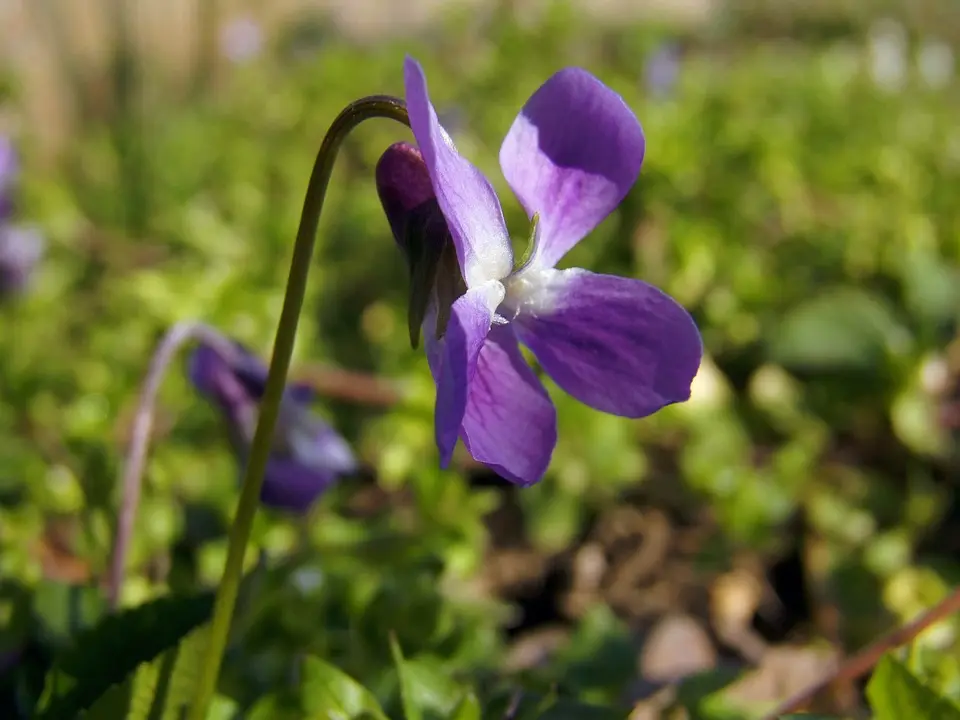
[421, 231]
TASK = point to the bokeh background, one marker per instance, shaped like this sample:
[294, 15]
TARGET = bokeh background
[800, 196]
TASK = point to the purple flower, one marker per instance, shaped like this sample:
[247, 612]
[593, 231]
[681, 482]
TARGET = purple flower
[308, 454]
[617, 344]
[241, 39]
[662, 69]
[9, 172]
[21, 248]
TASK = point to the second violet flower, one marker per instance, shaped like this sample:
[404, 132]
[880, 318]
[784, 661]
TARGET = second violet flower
[616, 344]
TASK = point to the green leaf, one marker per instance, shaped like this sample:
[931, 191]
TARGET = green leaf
[467, 709]
[426, 690]
[107, 655]
[931, 287]
[408, 693]
[894, 693]
[330, 693]
[839, 329]
[158, 690]
[324, 693]
[63, 610]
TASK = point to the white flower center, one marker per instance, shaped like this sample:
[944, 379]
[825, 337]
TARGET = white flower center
[533, 292]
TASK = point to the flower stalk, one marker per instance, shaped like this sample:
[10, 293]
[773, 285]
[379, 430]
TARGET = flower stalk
[378, 106]
[131, 481]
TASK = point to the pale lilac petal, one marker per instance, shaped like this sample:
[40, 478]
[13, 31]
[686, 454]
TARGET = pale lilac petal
[454, 363]
[510, 423]
[467, 199]
[572, 154]
[616, 344]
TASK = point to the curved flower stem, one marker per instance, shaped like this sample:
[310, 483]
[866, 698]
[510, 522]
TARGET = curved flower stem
[381, 106]
[176, 337]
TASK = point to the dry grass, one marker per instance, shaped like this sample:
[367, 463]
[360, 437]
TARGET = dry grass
[39, 37]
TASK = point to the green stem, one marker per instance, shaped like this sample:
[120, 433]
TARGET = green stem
[381, 106]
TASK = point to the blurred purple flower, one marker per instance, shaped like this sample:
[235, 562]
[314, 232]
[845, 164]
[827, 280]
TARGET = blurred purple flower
[21, 247]
[617, 344]
[9, 173]
[662, 69]
[308, 455]
[20, 250]
[241, 39]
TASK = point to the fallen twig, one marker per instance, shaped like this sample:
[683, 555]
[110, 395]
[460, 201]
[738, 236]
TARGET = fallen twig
[863, 662]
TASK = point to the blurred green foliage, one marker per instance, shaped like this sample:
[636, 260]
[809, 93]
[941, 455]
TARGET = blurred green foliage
[805, 213]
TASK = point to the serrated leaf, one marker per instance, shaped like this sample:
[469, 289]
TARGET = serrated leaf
[894, 694]
[838, 329]
[158, 690]
[105, 655]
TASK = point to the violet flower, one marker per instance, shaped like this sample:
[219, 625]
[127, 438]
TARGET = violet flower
[21, 247]
[616, 344]
[308, 454]
[662, 69]
[241, 39]
[9, 173]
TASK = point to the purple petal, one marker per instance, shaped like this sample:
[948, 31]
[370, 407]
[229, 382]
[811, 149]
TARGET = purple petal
[466, 197]
[292, 486]
[453, 360]
[215, 377]
[616, 344]
[510, 423]
[243, 377]
[307, 455]
[572, 154]
[304, 436]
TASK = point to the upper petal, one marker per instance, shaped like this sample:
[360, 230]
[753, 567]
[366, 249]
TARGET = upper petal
[467, 199]
[453, 360]
[510, 423]
[572, 154]
[221, 377]
[616, 344]
[216, 378]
